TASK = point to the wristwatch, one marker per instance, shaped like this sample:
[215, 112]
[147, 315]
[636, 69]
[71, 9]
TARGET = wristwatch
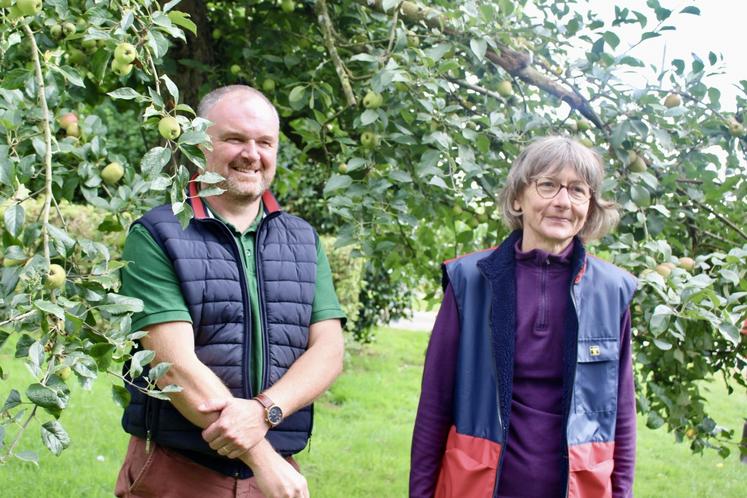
[273, 413]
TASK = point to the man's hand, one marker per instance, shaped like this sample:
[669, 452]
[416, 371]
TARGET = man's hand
[275, 477]
[240, 426]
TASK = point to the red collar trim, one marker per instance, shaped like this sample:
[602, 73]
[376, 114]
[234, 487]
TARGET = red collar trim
[198, 206]
[581, 272]
[270, 203]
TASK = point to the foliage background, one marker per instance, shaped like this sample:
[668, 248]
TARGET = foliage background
[402, 185]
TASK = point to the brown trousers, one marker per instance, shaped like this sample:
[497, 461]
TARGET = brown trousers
[164, 473]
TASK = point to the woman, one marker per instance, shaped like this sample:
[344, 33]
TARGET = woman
[528, 383]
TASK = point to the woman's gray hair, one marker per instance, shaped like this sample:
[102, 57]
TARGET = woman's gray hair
[547, 155]
[208, 101]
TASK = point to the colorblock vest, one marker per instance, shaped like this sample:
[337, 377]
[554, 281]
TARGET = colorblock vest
[211, 275]
[485, 292]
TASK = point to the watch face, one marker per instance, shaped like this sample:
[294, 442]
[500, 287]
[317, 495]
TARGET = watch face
[274, 415]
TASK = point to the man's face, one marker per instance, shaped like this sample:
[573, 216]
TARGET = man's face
[244, 135]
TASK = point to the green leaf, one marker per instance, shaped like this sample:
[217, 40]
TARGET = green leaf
[14, 217]
[478, 47]
[296, 94]
[640, 195]
[45, 397]
[13, 400]
[337, 182]
[611, 38]
[51, 308]
[368, 117]
[388, 5]
[127, 93]
[182, 19]
[143, 357]
[210, 178]
[28, 456]
[121, 396]
[70, 74]
[54, 436]
[158, 371]
[691, 10]
[172, 88]
[154, 160]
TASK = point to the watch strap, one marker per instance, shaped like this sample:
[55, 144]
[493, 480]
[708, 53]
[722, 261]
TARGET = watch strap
[264, 400]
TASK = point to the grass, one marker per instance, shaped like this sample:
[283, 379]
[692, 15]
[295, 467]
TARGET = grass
[360, 446]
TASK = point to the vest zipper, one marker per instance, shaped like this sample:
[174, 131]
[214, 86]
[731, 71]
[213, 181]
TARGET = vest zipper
[573, 383]
[262, 311]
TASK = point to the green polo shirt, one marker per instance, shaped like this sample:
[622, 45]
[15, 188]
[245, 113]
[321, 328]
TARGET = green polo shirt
[150, 276]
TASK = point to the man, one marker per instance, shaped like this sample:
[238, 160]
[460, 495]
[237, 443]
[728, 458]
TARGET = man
[242, 305]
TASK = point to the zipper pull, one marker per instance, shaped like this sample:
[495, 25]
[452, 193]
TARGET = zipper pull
[147, 442]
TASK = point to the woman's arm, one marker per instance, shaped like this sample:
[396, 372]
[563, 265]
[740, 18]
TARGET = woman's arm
[625, 431]
[435, 417]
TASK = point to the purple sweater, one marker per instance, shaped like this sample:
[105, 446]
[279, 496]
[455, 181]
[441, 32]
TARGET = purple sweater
[533, 460]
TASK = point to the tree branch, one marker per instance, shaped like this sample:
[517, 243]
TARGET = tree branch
[517, 64]
[325, 23]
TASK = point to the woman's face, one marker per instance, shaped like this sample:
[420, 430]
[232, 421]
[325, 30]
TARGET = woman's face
[551, 221]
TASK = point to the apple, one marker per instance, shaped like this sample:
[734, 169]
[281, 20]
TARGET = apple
[342, 168]
[67, 119]
[217, 33]
[29, 7]
[735, 128]
[89, 45]
[169, 128]
[687, 263]
[56, 277]
[65, 373]
[664, 269]
[121, 69]
[68, 28]
[125, 53]
[373, 100]
[235, 69]
[586, 141]
[76, 57]
[5, 3]
[583, 124]
[369, 139]
[268, 85]
[288, 6]
[112, 173]
[73, 130]
[636, 162]
[56, 31]
[505, 89]
[672, 100]
[691, 433]
[413, 40]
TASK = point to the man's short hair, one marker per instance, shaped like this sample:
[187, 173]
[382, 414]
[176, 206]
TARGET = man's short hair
[208, 101]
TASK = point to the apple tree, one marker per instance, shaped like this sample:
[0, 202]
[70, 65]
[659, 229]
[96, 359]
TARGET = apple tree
[399, 122]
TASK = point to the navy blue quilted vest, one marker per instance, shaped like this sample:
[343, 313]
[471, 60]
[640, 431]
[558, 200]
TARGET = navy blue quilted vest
[208, 265]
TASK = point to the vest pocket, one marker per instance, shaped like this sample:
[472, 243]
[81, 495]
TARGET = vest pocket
[591, 467]
[595, 388]
[468, 467]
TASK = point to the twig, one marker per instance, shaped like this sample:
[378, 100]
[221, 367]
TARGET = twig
[719, 216]
[392, 33]
[325, 23]
[47, 141]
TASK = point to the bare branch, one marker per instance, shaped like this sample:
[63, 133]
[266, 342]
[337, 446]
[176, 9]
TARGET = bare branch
[325, 23]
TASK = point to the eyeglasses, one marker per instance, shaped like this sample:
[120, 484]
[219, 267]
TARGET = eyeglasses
[548, 188]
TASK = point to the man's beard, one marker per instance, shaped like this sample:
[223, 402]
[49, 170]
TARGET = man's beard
[248, 191]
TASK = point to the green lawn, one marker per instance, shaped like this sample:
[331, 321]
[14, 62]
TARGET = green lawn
[360, 446]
